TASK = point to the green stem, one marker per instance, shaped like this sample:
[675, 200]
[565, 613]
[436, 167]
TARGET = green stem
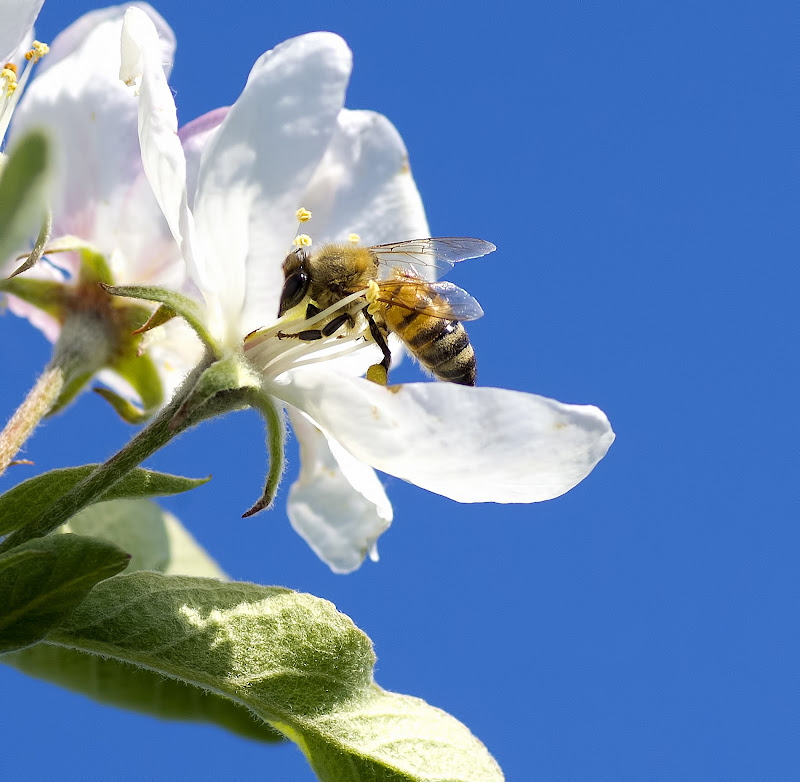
[153, 437]
[27, 416]
[83, 347]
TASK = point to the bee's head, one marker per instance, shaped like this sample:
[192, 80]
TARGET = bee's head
[296, 280]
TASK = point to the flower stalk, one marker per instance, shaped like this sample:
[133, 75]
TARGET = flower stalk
[37, 404]
[82, 349]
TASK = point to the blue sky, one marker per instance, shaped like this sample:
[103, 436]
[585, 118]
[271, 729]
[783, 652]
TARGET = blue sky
[637, 167]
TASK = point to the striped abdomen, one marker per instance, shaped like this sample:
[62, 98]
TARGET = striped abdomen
[442, 346]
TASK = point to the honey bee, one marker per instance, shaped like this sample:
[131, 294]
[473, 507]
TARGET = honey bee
[427, 316]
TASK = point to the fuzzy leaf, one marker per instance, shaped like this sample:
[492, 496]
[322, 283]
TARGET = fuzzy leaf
[23, 191]
[31, 499]
[154, 538]
[292, 659]
[38, 592]
[119, 684]
[187, 308]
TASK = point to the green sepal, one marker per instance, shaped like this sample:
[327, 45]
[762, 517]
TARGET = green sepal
[30, 500]
[275, 424]
[217, 390]
[162, 315]
[75, 384]
[124, 408]
[138, 369]
[49, 296]
[94, 267]
[39, 245]
[24, 183]
[292, 659]
[42, 581]
[187, 308]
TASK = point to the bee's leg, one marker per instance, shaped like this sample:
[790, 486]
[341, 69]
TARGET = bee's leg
[378, 373]
[331, 327]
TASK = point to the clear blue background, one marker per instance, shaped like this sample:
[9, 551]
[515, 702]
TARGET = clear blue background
[637, 167]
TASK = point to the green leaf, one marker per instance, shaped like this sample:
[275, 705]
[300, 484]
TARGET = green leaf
[154, 538]
[290, 658]
[31, 499]
[24, 183]
[187, 308]
[119, 684]
[43, 580]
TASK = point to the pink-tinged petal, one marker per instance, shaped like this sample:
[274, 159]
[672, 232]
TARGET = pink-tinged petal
[364, 185]
[162, 154]
[255, 170]
[16, 20]
[337, 505]
[194, 136]
[468, 444]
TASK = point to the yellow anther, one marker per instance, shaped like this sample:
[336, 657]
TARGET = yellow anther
[353, 238]
[9, 73]
[302, 240]
[303, 215]
[37, 52]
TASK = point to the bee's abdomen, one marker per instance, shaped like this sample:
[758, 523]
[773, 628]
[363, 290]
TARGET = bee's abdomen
[442, 346]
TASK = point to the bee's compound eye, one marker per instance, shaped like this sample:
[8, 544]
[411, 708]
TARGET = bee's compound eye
[294, 289]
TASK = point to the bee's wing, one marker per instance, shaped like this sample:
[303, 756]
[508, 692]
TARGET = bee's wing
[437, 299]
[425, 255]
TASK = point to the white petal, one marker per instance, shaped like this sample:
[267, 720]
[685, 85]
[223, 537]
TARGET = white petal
[16, 20]
[162, 154]
[337, 505]
[194, 136]
[469, 444]
[364, 185]
[91, 116]
[78, 38]
[256, 168]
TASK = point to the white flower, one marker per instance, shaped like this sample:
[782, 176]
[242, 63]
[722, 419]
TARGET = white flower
[286, 143]
[101, 195]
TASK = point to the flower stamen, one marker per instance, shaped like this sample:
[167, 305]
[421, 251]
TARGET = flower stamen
[37, 52]
[12, 85]
[9, 74]
[272, 353]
